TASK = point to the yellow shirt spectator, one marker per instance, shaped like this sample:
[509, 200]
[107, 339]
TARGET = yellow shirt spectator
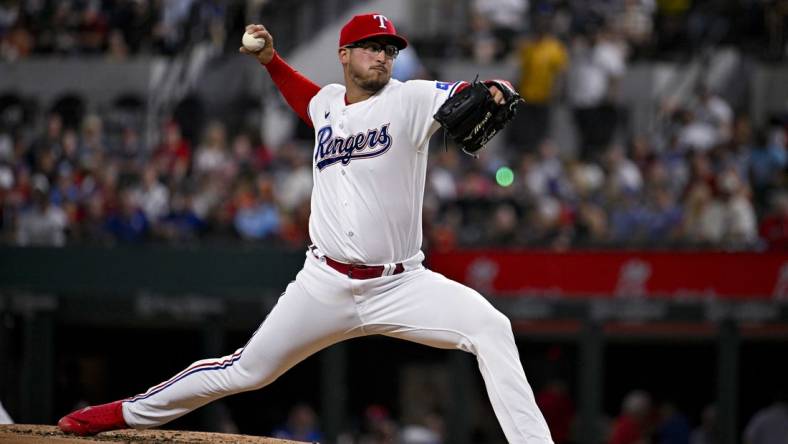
[541, 61]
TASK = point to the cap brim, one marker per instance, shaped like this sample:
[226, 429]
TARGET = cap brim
[396, 40]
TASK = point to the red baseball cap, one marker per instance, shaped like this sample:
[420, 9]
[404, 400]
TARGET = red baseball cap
[367, 26]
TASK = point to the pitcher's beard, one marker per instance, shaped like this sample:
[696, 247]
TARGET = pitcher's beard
[372, 84]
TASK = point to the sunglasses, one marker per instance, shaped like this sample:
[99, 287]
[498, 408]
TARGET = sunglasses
[374, 48]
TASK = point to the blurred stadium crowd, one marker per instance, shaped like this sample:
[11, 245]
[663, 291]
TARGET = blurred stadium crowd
[115, 28]
[653, 28]
[642, 418]
[703, 175]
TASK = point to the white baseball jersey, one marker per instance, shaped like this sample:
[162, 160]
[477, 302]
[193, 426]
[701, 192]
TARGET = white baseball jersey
[370, 163]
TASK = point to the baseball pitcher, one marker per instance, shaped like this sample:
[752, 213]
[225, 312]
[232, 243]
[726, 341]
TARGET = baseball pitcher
[363, 273]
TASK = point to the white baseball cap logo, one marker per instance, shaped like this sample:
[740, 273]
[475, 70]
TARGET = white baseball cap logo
[382, 19]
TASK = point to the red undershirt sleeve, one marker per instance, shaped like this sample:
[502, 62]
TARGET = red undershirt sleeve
[297, 89]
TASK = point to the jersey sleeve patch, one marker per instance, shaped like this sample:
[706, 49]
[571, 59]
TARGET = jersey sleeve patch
[443, 85]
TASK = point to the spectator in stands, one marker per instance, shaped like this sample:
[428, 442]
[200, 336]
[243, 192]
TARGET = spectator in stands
[663, 217]
[542, 60]
[598, 62]
[18, 195]
[429, 429]
[6, 185]
[635, 22]
[552, 223]
[206, 22]
[66, 194]
[770, 424]
[591, 224]
[257, 216]
[302, 425]
[677, 167]
[504, 227]
[633, 425]
[673, 427]
[736, 153]
[41, 224]
[774, 227]
[703, 221]
[249, 157]
[558, 410]
[408, 66]
[586, 179]
[104, 180]
[208, 197]
[51, 140]
[18, 43]
[127, 222]
[545, 175]
[170, 32]
[767, 162]
[294, 181]
[153, 196]
[379, 427]
[741, 228]
[442, 175]
[46, 163]
[181, 223]
[6, 147]
[623, 176]
[295, 225]
[117, 50]
[775, 16]
[92, 141]
[482, 45]
[506, 18]
[475, 184]
[628, 217]
[212, 156]
[707, 432]
[694, 134]
[92, 30]
[671, 25]
[9, 14]
[92, 221]
[173, 156]
[130, 153]
[708, 24]
[711, 109]
[134, 20]
[701, 169]
[70, 152]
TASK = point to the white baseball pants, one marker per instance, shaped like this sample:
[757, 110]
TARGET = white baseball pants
[323, 307]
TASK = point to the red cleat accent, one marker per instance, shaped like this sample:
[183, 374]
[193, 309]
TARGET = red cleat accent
[94, 419]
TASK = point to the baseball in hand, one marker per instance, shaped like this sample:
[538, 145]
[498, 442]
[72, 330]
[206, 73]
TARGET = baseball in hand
[252, 43]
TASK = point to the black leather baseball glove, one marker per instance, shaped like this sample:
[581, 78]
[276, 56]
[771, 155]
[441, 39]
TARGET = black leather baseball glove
[471, 117]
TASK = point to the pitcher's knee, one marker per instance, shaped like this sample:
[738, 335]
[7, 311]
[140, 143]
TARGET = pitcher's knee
[244, 380]
[494, 327]
[501, 325]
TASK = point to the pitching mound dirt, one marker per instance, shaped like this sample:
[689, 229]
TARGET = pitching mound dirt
[34, 434]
